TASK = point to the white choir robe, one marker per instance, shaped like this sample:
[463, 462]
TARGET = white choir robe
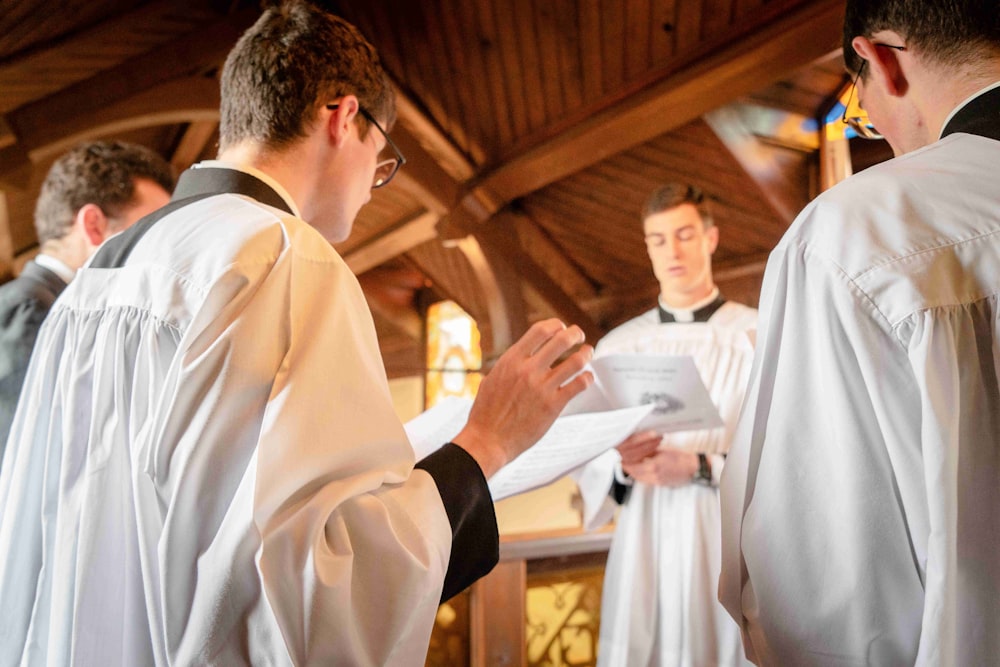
[659, 605]
[226, 531]
[861, 499]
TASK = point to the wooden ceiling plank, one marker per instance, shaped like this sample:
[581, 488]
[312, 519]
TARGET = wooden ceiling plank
[499, 98]
[663, 31]
[793, 40]
[612, 45]
[636, 43]
[590, 51]
[561, 19]
[548, 96]
[716, 17]
[398, 241]
[518, 94]
[461, 23]
[192, 144]
[688, 25]
[450, 64]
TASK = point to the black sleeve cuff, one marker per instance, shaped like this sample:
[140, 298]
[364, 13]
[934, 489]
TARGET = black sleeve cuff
[475, 542]
[620, 492]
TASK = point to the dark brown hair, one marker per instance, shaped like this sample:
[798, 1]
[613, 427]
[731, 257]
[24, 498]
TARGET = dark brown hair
[293, 60]
[101, 173]
[948, 31]
[673, 195]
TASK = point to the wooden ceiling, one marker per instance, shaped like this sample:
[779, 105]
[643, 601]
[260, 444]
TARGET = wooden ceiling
[533, 131]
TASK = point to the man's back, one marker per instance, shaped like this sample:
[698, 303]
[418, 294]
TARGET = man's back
[878, 479]
[186, 419]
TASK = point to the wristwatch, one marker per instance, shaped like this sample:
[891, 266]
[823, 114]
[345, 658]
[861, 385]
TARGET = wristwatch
[704, 473]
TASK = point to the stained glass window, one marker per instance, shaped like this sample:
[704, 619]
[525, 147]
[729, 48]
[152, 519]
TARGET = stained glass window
[454, 355]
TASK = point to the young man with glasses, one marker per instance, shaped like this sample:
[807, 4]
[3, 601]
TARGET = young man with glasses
[659, 603]
[861, 499]
[211, 470]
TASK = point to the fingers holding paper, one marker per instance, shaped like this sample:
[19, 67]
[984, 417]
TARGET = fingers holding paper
[638, 446]
[524, 393]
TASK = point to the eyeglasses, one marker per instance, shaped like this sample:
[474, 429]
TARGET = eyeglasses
[387, 168]
[861, 124]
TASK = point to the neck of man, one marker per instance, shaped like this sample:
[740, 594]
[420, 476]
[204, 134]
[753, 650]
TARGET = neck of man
[289, 167]
[69, 250]
[689, 300]
[942, 89]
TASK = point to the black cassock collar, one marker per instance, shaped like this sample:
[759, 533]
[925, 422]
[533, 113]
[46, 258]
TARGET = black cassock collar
[981, 116]
[701, 315]
[194, 184]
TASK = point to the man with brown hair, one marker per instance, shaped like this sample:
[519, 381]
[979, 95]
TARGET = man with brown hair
[95, 190]
[861, 500]
[210, 469]
[659, 605]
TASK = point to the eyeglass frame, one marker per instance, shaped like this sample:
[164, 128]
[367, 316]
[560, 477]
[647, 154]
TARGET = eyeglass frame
[399, 159]
[856, 123]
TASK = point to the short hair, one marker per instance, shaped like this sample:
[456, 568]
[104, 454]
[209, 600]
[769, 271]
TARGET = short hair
[673, 195]
[947, 32]
[293, 60]
[99, 172]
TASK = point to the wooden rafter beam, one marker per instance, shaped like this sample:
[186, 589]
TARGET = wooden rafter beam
[193, 99]
[500, 237]
[395, 242]
[687, 91]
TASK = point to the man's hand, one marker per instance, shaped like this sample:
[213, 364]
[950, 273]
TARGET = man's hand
[524, 393]
[667, 467]
[638, 446]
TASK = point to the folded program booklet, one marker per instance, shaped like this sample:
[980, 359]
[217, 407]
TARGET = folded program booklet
[630, 393]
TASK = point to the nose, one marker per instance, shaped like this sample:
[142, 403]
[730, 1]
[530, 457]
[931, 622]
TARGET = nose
[673, 247]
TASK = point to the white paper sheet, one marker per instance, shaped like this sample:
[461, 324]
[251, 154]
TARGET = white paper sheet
[670, 383]
[569, 443]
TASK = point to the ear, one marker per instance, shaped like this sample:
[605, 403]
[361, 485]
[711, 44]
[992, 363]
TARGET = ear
[93, 223]
[883, 63]
[341, 120]
[712, 234]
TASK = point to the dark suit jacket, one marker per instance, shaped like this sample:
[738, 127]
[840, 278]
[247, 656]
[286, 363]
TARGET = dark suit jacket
[24, 303]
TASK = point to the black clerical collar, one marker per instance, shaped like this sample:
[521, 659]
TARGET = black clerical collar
[980, 115]
[701, 315]
[207, 181]
[193, 185]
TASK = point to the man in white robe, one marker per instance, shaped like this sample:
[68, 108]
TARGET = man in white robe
[206, 467]
[659, 605]
[861, 500]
